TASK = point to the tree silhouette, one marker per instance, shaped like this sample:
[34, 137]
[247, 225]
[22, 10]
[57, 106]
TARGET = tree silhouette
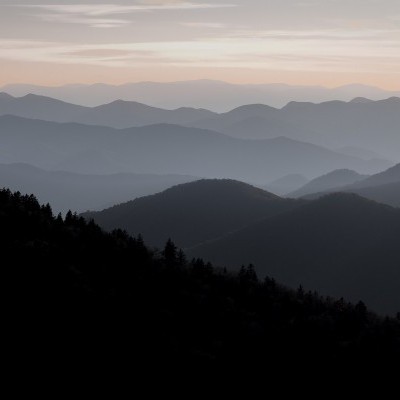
[170, 253]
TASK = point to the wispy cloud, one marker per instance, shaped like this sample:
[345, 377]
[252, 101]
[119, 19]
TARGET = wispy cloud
[83, 20]
[276, 51]
[210, 43]
[110, 9]
[98, 15]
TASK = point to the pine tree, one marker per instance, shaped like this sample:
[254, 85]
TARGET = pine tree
[181, 258]
[300, 292]
[170, 253]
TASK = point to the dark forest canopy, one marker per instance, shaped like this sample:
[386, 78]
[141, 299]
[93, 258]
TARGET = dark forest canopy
[74, 289]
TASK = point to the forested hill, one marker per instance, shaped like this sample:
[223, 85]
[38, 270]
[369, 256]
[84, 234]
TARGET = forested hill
[193, 213]
[73, 290]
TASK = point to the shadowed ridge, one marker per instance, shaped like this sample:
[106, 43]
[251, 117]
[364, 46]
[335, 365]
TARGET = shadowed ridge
[383, 187]
[334, 179]
[342, 245]
[194, 212]
[391, 175]
[252, 109]
[123, 105]
[221, 187]
[362, 100]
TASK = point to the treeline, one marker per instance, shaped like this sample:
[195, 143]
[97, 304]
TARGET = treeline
[73, 290]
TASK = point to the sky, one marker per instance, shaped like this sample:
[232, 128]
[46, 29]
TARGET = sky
[299, 42]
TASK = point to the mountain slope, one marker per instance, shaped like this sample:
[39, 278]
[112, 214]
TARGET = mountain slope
[253, 121]
[123, 114]
[118, 114]
[163, 149]
[383, 187]
[391, 175]
[387, 194]
[341, 245]
[79, 192]
[334, 179]
[286, 184]
[39, 107]
[193, 213]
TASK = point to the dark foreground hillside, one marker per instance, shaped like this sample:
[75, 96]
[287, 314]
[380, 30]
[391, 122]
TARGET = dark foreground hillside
[341, 245]
[74, 291]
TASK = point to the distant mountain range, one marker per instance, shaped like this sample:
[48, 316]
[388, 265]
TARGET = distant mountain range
[165, 149]
[336, 125]
[118, 114]
[373, 125]
[214, 95]
[327, 182]
[383, 187]
[79, 192]
[391, 175]
[193, 213]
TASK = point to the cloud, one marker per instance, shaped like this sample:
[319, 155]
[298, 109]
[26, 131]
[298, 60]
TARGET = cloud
[276, 51]
[83, 20]
[99, 15]
[110, 9]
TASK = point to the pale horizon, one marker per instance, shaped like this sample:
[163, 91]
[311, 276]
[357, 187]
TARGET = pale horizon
[277, 83]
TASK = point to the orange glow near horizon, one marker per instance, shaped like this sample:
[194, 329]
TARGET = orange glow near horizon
[58, 75]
